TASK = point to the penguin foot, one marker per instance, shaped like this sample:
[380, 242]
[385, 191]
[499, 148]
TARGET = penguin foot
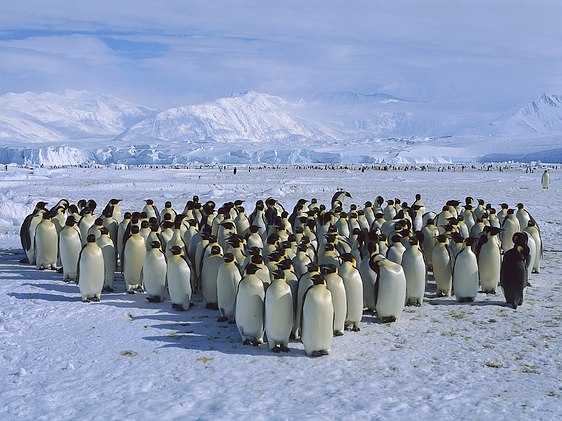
[191, 305]
[319, 353]
[178, 307]
[153, 299]
[355, 329]
[130, 291]
[212, 306]
[222, 319]
[24, 260]
[256, 342]
[284, 348]
[529, 284]
[96, 299]
[390, 319]
[247, 342]
[338, 333]
[85, 300]
[276, 349]
[59, 270]
[107, 289]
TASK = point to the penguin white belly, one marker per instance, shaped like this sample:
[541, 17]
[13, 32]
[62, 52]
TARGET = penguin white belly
[228, 278]
[442, 271]
[532, 252]
[46, 246]
[135, 252]
[179, 284]
[465, 276]
[91, 273]
[209, 274]
[391, 292]
[154, 275]
[70, 246]
[489, 264]
[415, 272]
[317, 321]
[278, 314]
[109, 260]
[354, 296]
[249, 310]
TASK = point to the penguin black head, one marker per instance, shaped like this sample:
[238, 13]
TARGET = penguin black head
[228, 257]
[104, 231]
[215, 250]
[168, 204]
[374, 263]
[149, 201]
[70, 221]
[348, 257]
[414, 241]
[329, 268]
[251, 268]
[286, 264]
[91, 238]
[254, 229]
[504, 206]
[312, 267]
[520, 238]
[98, 222]
[40, 205]
[176, 250]
[442, 238]
[430, 221]
[396, 238]
[145, 224]
[470, 241]
[127, 215]
[495, 230]
[155, 244]
[520, 206]
[135, 229]
[114, 201]
[274, 256]
[108, 212]
[368, 204]
[278, 274]
[318, 279]
[257, 259]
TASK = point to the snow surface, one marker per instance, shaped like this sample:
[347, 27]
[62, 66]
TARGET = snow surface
[124, 358]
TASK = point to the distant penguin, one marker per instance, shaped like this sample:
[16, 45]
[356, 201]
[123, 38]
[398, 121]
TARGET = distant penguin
[545, 179]
[489, 260]
[353, 292]
[133, 260]
[415, 271]
[465, 273]
[317, 318]
[442, 271]
[391, 288]
[179, 280]
[335, 285]
[154, 273]
[228, 278]
[70, 245]
[91, 270]
[250, 306]
[46, 244]
[278, 313]
[109, 258]
[513, 278]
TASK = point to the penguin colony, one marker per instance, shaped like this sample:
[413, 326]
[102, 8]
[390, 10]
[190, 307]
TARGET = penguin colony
[308, 274]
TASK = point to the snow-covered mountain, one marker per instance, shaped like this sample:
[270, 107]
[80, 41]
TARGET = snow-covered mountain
[74, 127]
[544, 114]
[251, 117]
[65, 116]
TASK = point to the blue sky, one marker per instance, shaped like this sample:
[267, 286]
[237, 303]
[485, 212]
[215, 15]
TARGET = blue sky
[475, 56]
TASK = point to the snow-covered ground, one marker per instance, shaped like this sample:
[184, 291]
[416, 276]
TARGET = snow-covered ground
[125, 358]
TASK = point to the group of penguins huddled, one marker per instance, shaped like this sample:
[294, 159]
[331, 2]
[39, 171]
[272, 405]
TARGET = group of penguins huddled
[309, 274]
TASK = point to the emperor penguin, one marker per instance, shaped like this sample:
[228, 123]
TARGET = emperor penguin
[430, 233]
[369, 280]
[465, 273]
[353, 292]
[533, 231]
[489, 260]
[133, 260]
[250, 306]
[510, 226]
[151, 210]
[86, 222]
[415, 271]
[109, 258]
[178, 275]
[254, 238]
[115, 207]
[168, 209]
[91, 270]
[154, 273]
[442, 271]
[391, 288]
[513, 277]
[522, 215]
[46, 244]
[27, 232]
[278, 313]
[396, 249]
[338, 198]
[241, 221]
[335, 285]
[209, 274]
[317, 323]
[305, 282]
[70, 245]
[545, 179]
[121, 235]
[228, 278]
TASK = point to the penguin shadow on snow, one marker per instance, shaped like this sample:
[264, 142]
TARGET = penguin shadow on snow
[198, 329]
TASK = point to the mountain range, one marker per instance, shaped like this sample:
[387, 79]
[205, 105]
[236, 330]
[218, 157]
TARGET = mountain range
[73, 127]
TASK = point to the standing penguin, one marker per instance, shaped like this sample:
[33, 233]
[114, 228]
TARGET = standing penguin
[228, 278]
[489, 260]
[305, 282]
[510, 226]
[133, 260]
[27, 232]
[278, 313]
[335, 285]
[154, 273]
[353, 292]
[533, 231]
[46, 244]
[442, 261]
[465, 273]
[391, 288]
[249, 307]
[179, 280]
[91, 270]
[70, 245]
[513, 277]
[415, 272]
[109, 258]
[317, 318]
[545, 179]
